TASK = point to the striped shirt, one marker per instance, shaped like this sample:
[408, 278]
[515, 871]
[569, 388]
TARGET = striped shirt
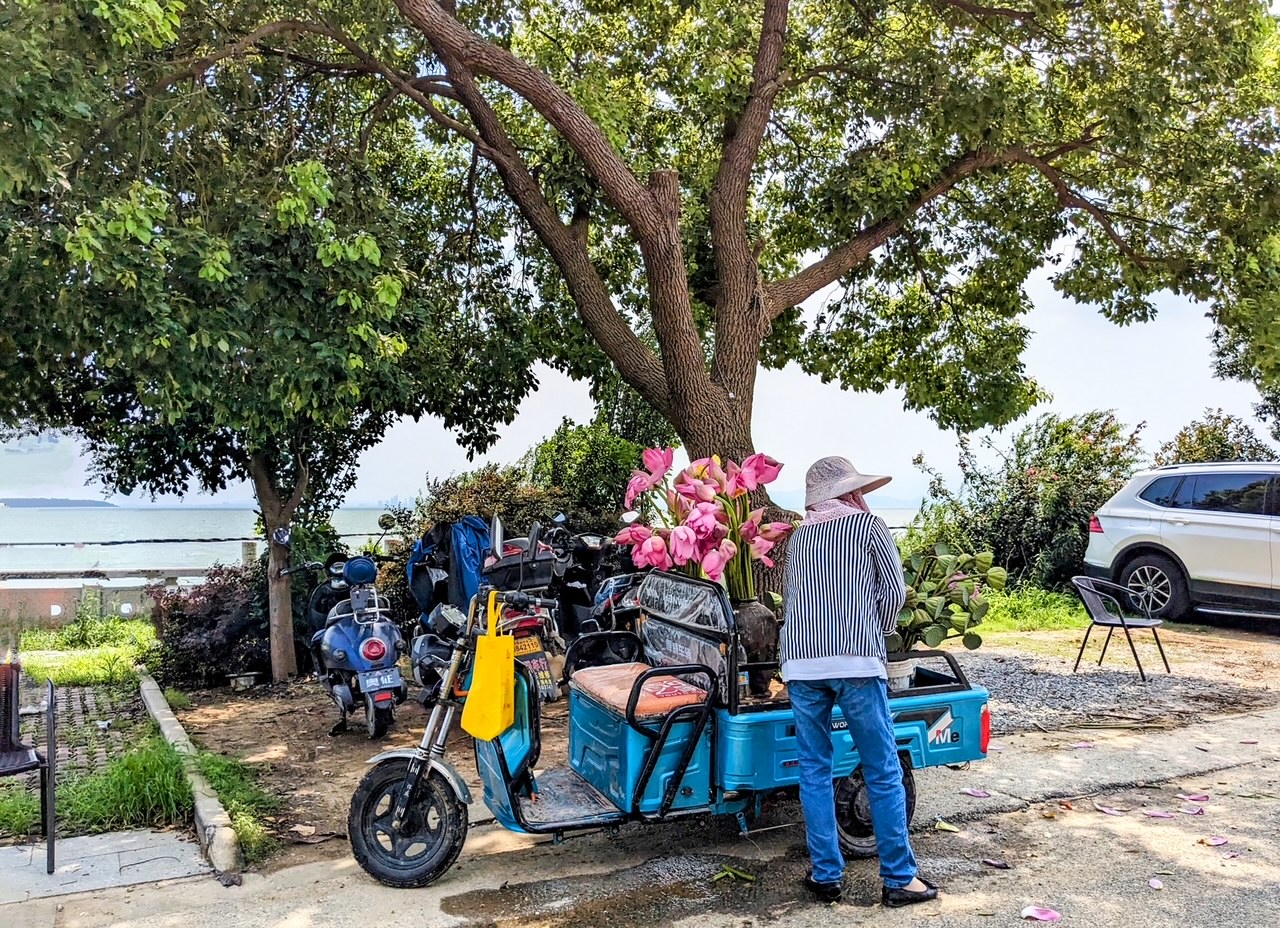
[844, 592]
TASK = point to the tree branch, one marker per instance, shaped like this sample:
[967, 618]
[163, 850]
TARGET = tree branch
[739, 318]
[977, 9]
[449, 36]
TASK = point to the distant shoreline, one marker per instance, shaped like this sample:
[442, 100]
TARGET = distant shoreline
[10, 502]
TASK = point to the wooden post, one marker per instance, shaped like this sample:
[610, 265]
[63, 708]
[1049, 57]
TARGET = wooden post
[248, 552]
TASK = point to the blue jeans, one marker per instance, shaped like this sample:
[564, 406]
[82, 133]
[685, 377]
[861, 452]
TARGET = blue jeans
[865, 705]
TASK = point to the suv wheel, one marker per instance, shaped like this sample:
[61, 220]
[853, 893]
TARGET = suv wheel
[1156, 584]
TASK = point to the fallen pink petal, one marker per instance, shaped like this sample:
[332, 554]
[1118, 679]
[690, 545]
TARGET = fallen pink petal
[1082, 746]
[1108, 810]
[1040, 914]
[1192, 810]
[997, 864]
[1155, 884]
[976, 793]
[1195, 797]
[1214, 841]
[1230, 855]
[1157, 813]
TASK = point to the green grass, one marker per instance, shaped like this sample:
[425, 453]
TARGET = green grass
[82, 668]
[1031, 610]
[84, 633]
[145, 787]
[19, 809]
[236, 784]
[177, 699]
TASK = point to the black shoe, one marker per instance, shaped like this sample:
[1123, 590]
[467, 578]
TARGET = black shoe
[826, 892]
[895, 898]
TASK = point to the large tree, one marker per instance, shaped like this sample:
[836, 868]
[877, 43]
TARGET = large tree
[229, 287]
[700, 170]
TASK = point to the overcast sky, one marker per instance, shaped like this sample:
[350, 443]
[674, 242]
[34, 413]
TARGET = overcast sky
[1158, 372]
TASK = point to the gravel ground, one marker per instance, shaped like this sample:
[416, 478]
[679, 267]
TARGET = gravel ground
[1035, 692]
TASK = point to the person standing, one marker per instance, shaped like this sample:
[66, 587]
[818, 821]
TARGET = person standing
[844, 590]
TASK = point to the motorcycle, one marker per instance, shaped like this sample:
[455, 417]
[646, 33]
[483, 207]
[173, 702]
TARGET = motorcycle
[356, 650]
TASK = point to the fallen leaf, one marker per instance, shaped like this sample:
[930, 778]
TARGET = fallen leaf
[1049, 814]
[995, 746]
[940, 825]
[230, 879]
[1250, 741]
[1192, 810]
[1214, 841]
[1083, 746]
[997, 864]
[1041, 914]
[976, 793]
[1199, 748]
[1194, 797]
[1157, 813]
[1230, 855]
[1066, 804]
[305, 831]
[1164, 873]
[1155, 884]
[318, 839]
[1107, 810]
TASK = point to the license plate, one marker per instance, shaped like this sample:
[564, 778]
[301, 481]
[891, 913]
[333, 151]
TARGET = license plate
[530, 645]
[376, 680]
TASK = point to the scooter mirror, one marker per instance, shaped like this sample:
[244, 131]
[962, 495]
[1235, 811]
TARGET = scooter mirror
[629, 517]
[560, 519]
[282, 536]
[496, 538]
[386, 521]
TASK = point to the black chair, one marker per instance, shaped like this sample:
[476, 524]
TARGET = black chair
[1103, 601]
[19, 759]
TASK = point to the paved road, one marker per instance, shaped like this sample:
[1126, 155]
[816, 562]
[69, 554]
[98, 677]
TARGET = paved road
[1042, 819]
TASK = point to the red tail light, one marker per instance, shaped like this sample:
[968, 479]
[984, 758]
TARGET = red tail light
[373, 650]
[986, 728]
[1095, 525]
[384, 696]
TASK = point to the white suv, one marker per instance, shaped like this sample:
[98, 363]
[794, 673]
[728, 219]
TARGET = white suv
[1193, 536]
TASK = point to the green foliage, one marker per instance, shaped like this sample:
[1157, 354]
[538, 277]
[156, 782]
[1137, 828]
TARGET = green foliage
[144, 788]
[91, 629]
[176, 698]
[99, 665]
[1218, 436]
[216, 628]
[1032, 508]
[237, 786]
[1031, 609]
[946, 598]
[19, 810]
[591, 464]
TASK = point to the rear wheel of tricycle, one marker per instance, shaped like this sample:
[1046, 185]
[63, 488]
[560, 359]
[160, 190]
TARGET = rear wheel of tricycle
[853, 810]
[430, 839]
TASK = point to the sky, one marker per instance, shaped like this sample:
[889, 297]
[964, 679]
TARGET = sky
[1159, 373]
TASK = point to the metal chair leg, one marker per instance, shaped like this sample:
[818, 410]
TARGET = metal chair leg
[51, 818]
[1142, 673]
[1161, 647]
[44, 801]
[1087, 631]
[1110, 631]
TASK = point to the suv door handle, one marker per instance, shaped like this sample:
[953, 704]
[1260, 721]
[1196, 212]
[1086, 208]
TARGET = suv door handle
[1179, 522]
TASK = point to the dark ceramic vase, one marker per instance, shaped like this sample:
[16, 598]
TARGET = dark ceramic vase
[758, 630]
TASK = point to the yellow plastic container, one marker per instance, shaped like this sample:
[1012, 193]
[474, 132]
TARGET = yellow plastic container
[490, 708]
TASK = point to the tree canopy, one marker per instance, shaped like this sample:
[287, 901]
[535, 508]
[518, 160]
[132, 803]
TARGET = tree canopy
[1219, 436]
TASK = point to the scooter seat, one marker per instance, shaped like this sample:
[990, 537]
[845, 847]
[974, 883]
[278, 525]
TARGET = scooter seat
[612, 684]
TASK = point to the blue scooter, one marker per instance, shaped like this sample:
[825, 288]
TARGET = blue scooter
[357, 651]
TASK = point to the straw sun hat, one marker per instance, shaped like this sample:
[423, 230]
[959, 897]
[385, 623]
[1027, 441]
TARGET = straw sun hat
[833, 477]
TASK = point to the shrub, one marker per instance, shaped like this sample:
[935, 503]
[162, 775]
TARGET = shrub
[1216, 437]
[591, 465]
[246, 802]
[83, 668]
[91, 629]
[145, 787]
[177, 699]
[1032, 509]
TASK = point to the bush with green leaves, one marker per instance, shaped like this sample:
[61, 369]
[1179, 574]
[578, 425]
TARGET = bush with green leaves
[1031, 509]
[946, 598]
[591, 465]
[1218, 436]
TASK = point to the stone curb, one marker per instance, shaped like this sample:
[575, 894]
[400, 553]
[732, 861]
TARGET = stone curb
[213, 825]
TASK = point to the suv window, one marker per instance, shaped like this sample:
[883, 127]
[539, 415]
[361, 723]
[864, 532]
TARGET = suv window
[1242, 493]
[1161, 492]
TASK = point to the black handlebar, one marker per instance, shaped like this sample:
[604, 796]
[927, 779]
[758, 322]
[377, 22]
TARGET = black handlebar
[524, 600]
[302, 568]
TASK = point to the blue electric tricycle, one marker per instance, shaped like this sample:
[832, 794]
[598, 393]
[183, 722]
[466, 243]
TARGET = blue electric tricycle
[669, 730]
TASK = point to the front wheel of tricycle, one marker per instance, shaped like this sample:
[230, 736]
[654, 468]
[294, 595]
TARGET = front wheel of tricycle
[429, 841]
[853, 810]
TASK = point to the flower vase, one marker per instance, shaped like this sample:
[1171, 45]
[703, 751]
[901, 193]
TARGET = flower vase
[758, 632]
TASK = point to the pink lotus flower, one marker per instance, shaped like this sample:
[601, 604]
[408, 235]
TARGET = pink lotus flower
[751, 527]
[658, 461]
[652, 552]
[684, 545]
[633, 534]
[717, 559]
[695, 488]
[678, 506]
[734, 486]
[758, 470]
[639, 484]
[706, 519]
[776, 531]
[760, 548]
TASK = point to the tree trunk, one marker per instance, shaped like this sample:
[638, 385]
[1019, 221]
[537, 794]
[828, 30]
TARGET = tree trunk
[277, 512]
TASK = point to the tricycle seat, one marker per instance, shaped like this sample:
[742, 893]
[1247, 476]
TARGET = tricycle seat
[611, 686]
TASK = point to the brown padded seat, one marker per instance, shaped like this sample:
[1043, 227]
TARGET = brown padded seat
[612, 685]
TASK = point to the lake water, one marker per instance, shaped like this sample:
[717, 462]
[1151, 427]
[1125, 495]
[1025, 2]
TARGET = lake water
[26, 534]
